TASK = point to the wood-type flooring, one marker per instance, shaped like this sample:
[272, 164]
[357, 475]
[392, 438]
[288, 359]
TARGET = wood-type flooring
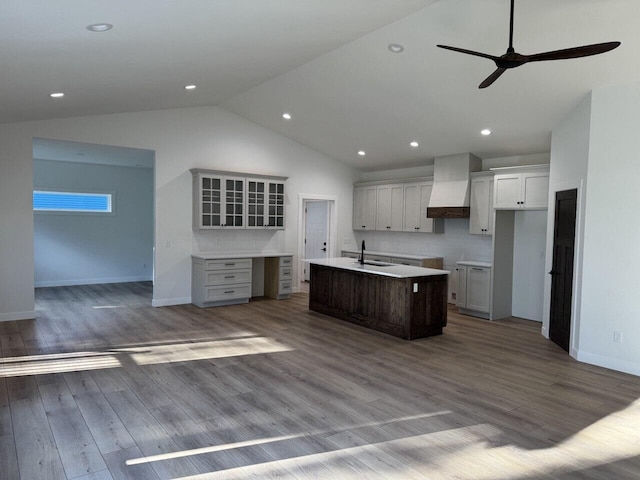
[103, 386]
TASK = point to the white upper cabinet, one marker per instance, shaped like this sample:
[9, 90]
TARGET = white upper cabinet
[399, 206]
[265, 203]
[389, 207]
[481, 211]
[521, 188]
[364, 208]
[218, 201]
[416, 201]
[231, 200]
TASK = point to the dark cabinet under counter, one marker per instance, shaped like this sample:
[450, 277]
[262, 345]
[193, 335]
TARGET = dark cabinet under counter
[407, 307]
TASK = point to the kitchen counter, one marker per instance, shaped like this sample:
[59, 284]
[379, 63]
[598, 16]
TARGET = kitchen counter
[378, 268]
[222, 256]
[404, 301]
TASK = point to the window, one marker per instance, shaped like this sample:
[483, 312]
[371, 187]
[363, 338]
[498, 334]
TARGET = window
[72, 202]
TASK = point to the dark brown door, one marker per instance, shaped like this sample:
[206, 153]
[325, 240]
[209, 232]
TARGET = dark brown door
[564, 234]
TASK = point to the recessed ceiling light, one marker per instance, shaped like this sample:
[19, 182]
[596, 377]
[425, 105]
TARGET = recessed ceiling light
[189, 87]
[287, 116]
[56, 95]
[395, 48]
[99, 27]
[486, 132]
[362, 153]
[414, 144]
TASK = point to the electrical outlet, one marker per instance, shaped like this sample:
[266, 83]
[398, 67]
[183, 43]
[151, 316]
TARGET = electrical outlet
[454, 296]
[617, 336]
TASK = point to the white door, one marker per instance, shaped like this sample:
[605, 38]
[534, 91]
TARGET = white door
[316, 231]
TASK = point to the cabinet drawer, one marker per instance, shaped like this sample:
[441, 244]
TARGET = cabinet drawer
[228, 264]
[227, 277]
[285, 273]
[231, 292]
[406, 261]
[284, 287]
[286, 261]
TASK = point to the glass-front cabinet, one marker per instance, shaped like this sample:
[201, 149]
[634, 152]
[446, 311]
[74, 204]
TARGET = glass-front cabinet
[265, 203]
[230, 200]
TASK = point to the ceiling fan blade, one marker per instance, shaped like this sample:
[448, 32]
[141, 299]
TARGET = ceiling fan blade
[470, 52]
[492, 78]
[575, 52]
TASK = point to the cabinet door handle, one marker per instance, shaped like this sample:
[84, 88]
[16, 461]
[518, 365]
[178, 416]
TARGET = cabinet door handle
[230, 276]
[230, 291]
[229, 264]
[475, 268]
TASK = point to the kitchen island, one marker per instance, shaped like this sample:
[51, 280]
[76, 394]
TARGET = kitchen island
[404, 301]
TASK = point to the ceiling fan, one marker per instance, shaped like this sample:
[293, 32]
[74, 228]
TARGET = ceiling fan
[512, 59]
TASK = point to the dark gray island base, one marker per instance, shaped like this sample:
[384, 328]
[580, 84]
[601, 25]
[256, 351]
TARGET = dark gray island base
[406, 307]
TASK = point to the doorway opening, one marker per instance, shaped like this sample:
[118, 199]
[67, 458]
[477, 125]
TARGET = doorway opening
[318, 232]
[94, 214]
[562, 267]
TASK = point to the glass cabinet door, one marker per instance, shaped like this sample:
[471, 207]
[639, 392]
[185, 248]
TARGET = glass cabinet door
[276, 205]
[234, 202]
[211, 202]
[255, 203]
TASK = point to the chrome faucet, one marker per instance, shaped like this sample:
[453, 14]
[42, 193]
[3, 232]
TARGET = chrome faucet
[362, 254]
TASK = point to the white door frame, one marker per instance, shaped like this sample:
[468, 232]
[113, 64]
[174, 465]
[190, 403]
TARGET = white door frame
[332, 233]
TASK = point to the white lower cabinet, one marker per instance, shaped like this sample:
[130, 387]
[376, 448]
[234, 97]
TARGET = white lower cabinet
[474, 288]
[220, 282]
[227, 281]
[278, 277]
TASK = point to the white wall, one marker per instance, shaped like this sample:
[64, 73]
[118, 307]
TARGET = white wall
[80, 249]
[207, 137]
[568, 170]
[610, 281]
[529, 246]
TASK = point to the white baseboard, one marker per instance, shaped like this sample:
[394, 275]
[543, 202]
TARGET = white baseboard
[168, 302]
[607, 362]
[544, 332]
[11, 316]
[91, 281]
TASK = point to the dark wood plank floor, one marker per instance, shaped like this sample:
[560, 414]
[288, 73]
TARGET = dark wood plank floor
[104, 386]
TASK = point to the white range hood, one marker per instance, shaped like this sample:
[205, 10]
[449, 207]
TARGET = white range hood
[450, 194]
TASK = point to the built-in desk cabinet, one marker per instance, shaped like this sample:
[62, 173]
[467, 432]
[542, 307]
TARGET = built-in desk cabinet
[228, 281]
[521, 188]
[481, 204]
[278, 274]
[220, 281]
[228, 200]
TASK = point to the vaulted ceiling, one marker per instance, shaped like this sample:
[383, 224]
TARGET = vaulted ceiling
[326, 62]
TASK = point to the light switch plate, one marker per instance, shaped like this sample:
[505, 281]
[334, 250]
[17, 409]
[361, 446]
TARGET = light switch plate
[415, 288]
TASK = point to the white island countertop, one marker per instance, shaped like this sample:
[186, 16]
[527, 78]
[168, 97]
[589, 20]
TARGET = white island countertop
[377, 268]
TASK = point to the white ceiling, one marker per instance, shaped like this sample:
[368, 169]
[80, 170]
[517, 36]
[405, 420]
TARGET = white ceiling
[326, 62]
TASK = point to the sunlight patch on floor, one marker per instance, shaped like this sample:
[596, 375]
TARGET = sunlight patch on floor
[464, 453]
[184, 352]
[56, 363]
[262, 441]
